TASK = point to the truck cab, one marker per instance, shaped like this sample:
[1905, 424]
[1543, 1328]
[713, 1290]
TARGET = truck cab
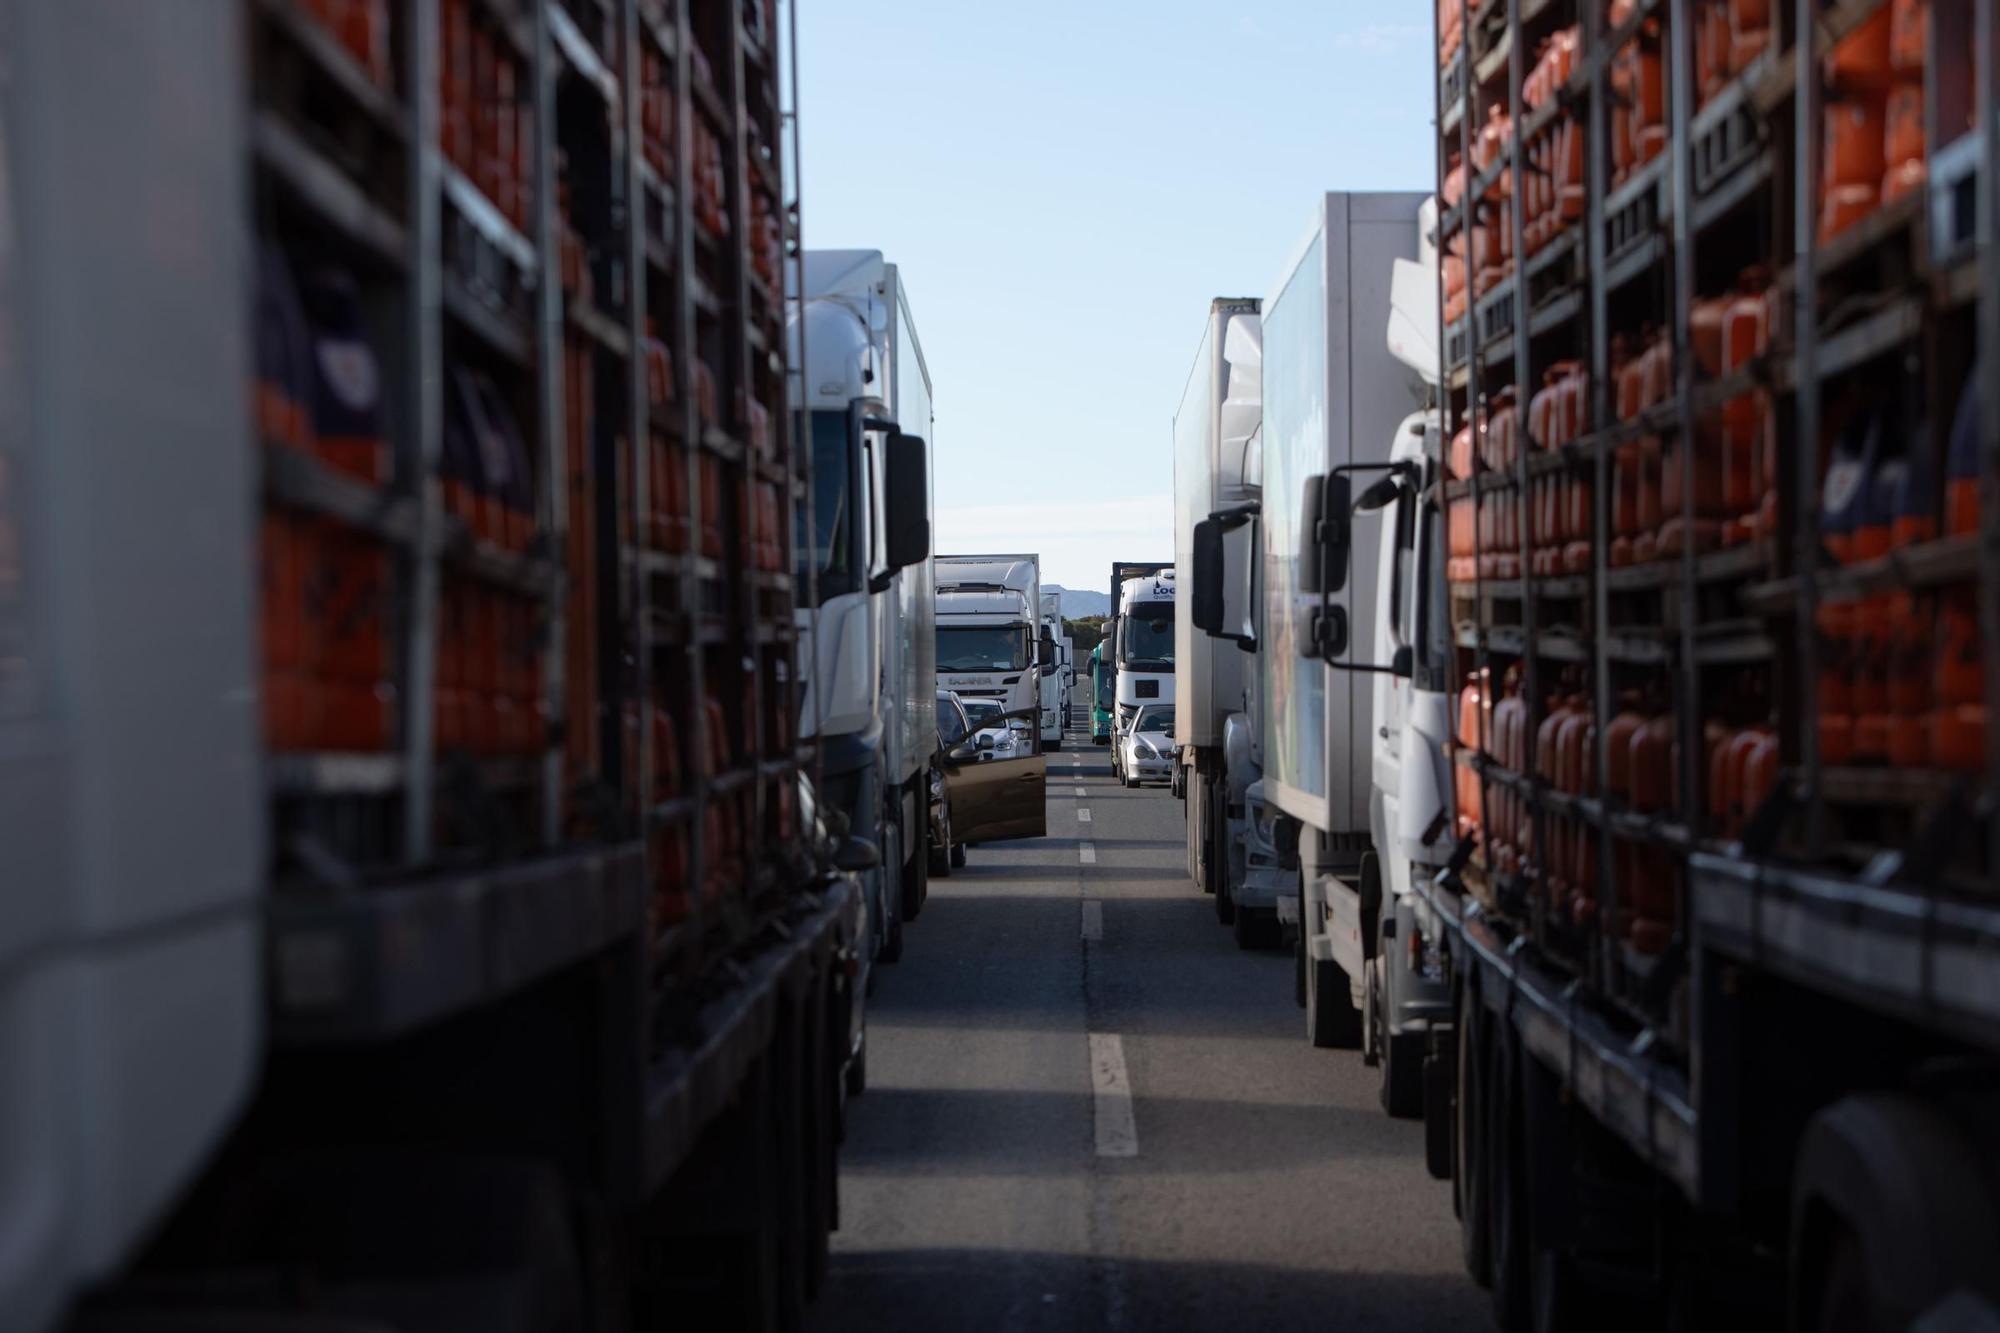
[1144, 640]
[865, 572]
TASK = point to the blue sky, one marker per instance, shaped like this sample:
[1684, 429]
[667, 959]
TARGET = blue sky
[1065, 185]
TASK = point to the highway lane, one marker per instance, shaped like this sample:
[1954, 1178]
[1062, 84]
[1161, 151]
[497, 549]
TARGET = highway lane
[1089, 1109]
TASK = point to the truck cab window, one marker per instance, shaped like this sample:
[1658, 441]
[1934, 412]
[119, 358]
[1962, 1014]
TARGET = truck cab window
[828, 550]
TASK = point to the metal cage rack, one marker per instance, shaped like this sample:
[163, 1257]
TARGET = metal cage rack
[610, 258]
[1880, 884]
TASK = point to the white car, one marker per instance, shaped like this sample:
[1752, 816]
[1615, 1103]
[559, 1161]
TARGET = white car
[997, 738]
[1146, 746]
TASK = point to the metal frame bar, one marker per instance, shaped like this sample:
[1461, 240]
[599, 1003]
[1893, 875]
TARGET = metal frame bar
[1986, 84]
[554, 420]
[1806, 409]
[419, 461]
[684, 360]
[1531, 681]
[1597, 149]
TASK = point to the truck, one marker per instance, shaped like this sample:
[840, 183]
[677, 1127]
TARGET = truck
[870, 696]
[1719, 924]
[1066, 654]
[1215, 677]
[1052, 692]
[416, 911]
[992, 644]
[1098, 667]
[1334, 400]
[1140, 630]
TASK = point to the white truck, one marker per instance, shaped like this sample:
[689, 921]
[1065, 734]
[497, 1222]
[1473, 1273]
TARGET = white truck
[1141, 629]
[869, 697]
[1052, 693]
[1218, 481]
[1338, 406]
[1066, 653]
[991, 644]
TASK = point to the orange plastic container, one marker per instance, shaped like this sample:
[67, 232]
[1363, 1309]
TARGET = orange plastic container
[1909, 36]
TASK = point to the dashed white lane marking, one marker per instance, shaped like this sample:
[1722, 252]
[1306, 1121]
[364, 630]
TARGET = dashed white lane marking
[1093, 920]
[1117, 1132]
[1083, 816]
[1081, 792]
[1087, 853]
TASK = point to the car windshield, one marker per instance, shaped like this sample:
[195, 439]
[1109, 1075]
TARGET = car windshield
[982, 648]
[982, 712]
[1148, 634]
[1155, 719]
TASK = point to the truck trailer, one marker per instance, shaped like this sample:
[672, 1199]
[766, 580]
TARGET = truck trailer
[1333, 399]
[416, 912]
[868, 625]
[1216, 446]
[1721, 925]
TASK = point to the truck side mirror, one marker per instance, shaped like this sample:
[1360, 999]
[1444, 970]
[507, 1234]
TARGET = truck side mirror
[907, 539]
[1309, 512]
[1206, 611]
[1333, 534]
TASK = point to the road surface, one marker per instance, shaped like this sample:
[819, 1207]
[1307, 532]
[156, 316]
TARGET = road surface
[1088, 1109]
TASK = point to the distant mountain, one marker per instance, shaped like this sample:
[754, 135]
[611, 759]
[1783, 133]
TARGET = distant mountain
[1077, 604]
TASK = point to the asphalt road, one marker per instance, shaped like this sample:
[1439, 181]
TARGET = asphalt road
[1123, 1132]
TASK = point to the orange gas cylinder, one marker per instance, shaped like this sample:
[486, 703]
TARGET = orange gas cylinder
[1474, 714]
[1958, 726]
[1851, 175]
[1618, 735]
[1909, 34]
[1711, 51]
[1485, 262]
[1760, 773]
[1741, 752]
[1500, 447]
[1573, 747]
[1569, 183]
[1463, 566]
[1578, 502]
[1716, 736]
[1453, 189]
[1546, 744]
[1491, 141]
[1575, 413]
[1746, 335]
[1700, 520]
[1836, 622]
[1903, 143]
[1460, 459]
[1649, 96]
[1705, 323]
[1652, 763]
[1861, 59]
[1909, 686]
[1622, 76]
[1541, 409]
[1652, 900]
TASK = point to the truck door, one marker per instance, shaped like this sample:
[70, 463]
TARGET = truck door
[998, 798]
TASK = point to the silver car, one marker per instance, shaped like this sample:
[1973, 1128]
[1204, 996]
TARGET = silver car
[1146, 746]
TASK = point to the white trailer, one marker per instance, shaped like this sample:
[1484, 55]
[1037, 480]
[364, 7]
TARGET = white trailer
[1333, 400]
[1051, 694]
[1215, 676]
[869, 696]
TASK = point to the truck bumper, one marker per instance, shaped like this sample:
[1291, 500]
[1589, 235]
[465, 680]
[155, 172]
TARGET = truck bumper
[1269, 887]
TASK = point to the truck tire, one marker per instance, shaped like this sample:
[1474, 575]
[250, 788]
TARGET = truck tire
[1469, 1182]
[1255, 929]
[958, 854]
[856, 1074]
[1402, 1055]
[917, 871]
[1892, 1210]
[1511, 1221]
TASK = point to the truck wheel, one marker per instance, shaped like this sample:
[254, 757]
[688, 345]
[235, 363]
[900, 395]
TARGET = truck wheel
[917, 872]
[857, 1070]
[1053, 745]
[1468, 1191]
[892, 943]
[1402, 1057]
[1892, 1210]
[1258, 929]
[958, 854]
[1510, 1222]
[1299, 954]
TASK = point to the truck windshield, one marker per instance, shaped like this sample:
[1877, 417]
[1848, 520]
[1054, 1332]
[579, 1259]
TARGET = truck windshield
[982, 648]
[1147, 633]
[828, 550]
